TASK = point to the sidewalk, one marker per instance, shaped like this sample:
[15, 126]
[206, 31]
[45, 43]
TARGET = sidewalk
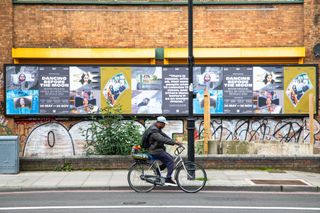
[221, 180]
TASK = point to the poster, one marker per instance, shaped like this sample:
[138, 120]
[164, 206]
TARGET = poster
[299, 82]
[54, 89]
[268, 90]
[175, 90]
[146, 90]
[22, 77]
[84, 89]
[238, 90]
[21, 102]
[210, 78]
[22, 95]
[116, 88]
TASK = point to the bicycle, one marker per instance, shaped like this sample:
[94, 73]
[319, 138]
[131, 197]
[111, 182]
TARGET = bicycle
[145, 174]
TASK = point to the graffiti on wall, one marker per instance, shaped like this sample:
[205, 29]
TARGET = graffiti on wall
[282, 130]
[55, 139]
[61, 139]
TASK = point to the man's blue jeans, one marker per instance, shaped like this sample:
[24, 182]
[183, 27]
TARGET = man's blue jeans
[167, 160]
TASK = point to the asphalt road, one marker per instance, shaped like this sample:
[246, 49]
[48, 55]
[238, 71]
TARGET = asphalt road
[158, 201]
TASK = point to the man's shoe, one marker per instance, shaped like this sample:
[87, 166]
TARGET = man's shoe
[170, 182]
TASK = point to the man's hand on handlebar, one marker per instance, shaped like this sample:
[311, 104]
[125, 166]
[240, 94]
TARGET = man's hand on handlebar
[179, 144]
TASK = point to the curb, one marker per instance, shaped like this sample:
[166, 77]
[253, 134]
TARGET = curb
[279, 188]
[264, 188]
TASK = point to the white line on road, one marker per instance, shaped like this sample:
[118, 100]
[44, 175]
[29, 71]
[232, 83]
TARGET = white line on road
[159, 207]
[157, 191]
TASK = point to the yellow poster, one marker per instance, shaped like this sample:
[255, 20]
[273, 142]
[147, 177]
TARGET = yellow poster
[116, 88]
[299, 82]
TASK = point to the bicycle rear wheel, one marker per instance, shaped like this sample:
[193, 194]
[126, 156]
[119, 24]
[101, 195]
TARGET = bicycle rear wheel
[136, 177]
[191, 177]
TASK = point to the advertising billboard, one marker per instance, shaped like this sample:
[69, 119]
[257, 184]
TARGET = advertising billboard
[256, 90]
[62, 90]
[80, 90]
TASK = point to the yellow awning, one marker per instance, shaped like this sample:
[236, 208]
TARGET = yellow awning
[275, 55]
[272, 55]
[83, 55]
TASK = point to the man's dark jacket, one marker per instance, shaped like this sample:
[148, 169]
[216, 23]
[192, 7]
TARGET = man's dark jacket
[157, 139]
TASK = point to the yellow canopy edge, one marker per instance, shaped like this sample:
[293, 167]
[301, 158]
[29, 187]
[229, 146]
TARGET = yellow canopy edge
[84, 55]
[269, 55]
[272, 55]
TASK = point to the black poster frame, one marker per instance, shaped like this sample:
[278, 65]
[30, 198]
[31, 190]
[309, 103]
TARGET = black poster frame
[184, 115]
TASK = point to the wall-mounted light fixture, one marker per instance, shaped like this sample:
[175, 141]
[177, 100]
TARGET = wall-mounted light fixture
[316, 50]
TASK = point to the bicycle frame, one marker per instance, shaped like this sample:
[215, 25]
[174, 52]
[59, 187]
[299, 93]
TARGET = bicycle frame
[148, 170]
[178, 161]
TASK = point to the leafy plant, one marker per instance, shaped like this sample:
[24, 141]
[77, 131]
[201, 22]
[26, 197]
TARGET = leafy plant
[4, 129]
[67, 167]
[272, 170]
[110, 135]
[199, 147]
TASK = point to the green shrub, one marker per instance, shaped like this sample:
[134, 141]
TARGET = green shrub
[110, 135]
[66, 167]
[4, 129]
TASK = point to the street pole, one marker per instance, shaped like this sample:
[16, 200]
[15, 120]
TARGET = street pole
[190, 119]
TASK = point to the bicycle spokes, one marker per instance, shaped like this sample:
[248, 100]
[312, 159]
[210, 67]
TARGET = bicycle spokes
[191, 177]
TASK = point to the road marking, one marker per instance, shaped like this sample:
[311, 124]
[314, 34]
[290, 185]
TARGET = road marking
[157, 191]
[160, 207]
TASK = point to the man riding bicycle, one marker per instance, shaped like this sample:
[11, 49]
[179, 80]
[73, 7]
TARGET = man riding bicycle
[156, 140]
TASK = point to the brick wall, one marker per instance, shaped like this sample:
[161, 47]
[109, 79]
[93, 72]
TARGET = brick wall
[311, 29]
[6, 24]
[214, 162]
[158, 26]
[277, 25]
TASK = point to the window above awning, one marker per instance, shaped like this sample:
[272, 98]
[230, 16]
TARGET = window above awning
[84, 55]
[270, 55]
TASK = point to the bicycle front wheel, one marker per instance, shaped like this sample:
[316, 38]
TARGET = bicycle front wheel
[191, 177]
[137, 177]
